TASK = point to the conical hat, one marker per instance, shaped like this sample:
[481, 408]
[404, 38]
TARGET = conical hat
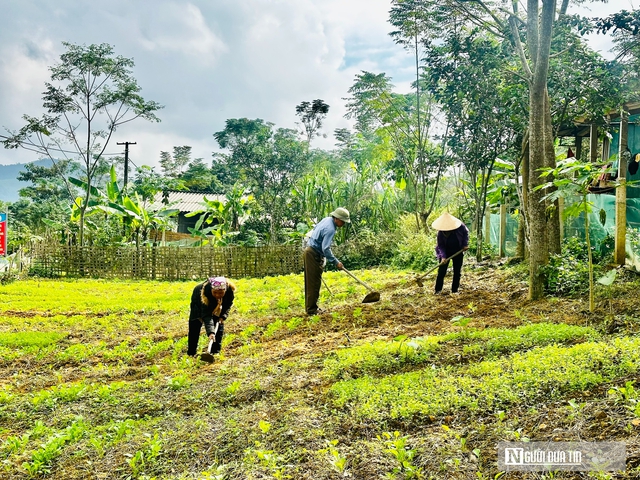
[446, 222]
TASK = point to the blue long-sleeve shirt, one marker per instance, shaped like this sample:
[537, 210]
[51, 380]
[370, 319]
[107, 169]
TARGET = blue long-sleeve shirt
[322, 237]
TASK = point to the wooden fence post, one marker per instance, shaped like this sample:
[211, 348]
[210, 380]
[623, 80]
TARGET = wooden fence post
[503, 230]
[487, 225]
[621, 192]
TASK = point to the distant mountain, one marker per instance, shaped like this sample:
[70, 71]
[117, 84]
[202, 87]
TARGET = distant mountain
[9, 184]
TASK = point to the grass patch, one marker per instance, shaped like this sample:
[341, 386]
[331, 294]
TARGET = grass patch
[545, 372]
[30, 339]
[95, 381]
[383, 357]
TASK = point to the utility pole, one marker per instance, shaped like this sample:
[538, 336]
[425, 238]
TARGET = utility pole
[126, 161]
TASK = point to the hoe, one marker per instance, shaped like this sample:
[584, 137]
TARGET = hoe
[372, 296]
[207, 356]
[421, 277]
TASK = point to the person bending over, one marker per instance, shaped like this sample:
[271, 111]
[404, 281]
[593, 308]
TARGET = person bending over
[210, 305]
[453, 236]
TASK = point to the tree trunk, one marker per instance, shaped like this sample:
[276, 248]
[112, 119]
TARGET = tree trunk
[479, 235]
[539, 31]
[525, 199]
[520, 246]
[539, 245]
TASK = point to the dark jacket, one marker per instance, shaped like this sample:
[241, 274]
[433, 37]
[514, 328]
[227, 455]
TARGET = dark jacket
[202, 307]
[446, 246]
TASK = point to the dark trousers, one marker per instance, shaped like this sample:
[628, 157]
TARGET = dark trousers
[194, 336]
[457, 272]
[312, 279]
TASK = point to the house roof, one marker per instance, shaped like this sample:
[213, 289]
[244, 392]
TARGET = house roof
[184, 201]
[581, 127]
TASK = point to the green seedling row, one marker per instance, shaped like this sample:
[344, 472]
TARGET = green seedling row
[522, 378]
[382, 357]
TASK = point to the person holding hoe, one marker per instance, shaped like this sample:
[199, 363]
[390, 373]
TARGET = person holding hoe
[317, 252]
[451, 242]
[210, 305]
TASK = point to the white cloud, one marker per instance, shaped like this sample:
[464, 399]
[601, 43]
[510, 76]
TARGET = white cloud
[180, 29]
[205, 60]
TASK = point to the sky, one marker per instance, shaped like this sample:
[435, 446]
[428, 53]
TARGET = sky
[207, 61]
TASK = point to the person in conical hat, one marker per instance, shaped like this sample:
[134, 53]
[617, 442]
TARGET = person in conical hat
[317, 253]
[453, 237]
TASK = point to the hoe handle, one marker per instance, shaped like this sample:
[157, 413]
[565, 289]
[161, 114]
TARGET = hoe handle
[357, 279]
[211, 340]
[326, 286]
[438, 265]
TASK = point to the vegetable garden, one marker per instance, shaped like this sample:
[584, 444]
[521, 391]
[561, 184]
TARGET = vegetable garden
[96, 383]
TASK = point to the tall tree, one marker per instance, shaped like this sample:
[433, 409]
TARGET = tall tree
[312, 114]
[269, 159]
[535, 28]
[375, 107]
[197, 177]
[415, 22]
[539, 29]
[467, 78]
[92, 92]
[173, 164]
[147, 182]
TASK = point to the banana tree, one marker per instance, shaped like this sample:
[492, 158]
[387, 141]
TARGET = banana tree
[137, 217]
[211, 225]
[220, 219]
[238, 205]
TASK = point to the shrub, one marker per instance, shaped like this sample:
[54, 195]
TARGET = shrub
[415, 249]
[40, 271]
[368, 249]
[568, 273]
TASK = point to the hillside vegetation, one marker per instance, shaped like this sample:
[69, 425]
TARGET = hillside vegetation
[95, 383]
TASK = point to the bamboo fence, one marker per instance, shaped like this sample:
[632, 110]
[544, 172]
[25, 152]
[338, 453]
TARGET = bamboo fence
[164, 263]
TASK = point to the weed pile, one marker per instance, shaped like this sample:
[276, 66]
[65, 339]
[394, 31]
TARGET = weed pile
[95, 382]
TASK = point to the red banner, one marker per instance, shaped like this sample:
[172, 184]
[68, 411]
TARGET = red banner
[3, 233]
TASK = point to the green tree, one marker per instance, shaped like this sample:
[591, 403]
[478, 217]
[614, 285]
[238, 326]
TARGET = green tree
[225, 174]
[270, 160]
[530, 33]
[312, 114]
[45, 182]
[173, 164]
[147, 183]
[197, 177]
[466, 77]
[394, 117]
[92, 92]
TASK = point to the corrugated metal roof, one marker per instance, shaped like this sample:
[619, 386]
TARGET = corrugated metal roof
[185, 201]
